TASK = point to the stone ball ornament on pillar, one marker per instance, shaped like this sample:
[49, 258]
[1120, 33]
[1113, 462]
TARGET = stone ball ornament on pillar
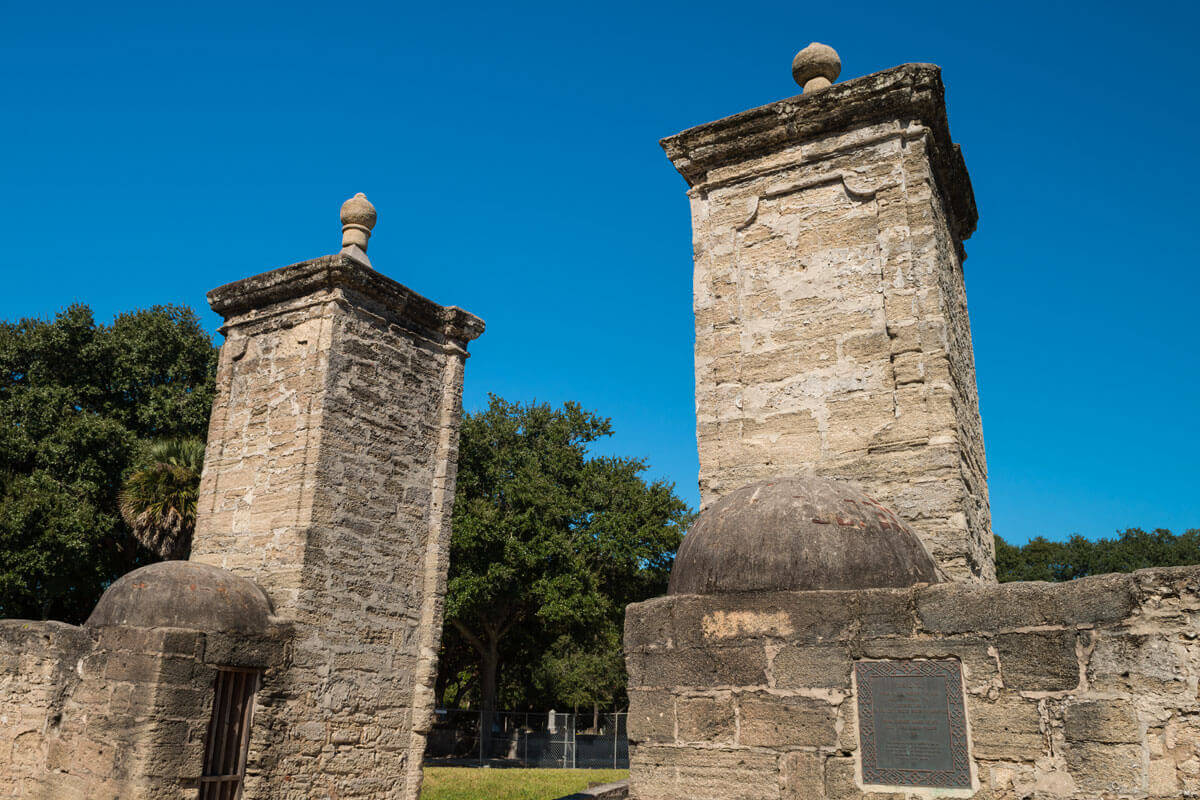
[816, 67]
[358, 220]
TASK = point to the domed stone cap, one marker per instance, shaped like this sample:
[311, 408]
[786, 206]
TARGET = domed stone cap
[798, 534]
[183, 594]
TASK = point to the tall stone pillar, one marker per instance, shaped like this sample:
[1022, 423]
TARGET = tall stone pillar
[329, 479]
[831, 320]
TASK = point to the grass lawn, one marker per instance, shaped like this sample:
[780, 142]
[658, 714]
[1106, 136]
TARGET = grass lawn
[472, 783]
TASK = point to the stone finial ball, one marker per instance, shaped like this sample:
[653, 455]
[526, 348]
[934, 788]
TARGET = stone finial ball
[816, 66]
[358, 211]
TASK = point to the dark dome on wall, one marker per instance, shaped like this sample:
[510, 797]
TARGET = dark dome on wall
[798, 534]
[183, 594]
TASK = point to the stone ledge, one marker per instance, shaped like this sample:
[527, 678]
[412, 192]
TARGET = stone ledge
[940, 609]
[617, 790]
[45, 637]
[912, 92]
[339, 271]
[968, 608]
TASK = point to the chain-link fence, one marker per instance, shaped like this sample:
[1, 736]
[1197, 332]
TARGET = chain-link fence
[519, 739]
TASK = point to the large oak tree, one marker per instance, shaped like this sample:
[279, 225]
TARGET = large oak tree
[80, 403]
[549, 545]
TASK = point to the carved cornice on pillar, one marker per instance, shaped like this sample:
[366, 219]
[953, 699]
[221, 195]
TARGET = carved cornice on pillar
[359, 284]
[910, 93]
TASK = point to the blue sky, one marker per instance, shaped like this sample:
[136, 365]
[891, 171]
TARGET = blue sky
[155, 151]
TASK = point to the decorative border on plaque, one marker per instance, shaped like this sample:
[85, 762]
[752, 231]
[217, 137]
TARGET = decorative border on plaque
[959, 775]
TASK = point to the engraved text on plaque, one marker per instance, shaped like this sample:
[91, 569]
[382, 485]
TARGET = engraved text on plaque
[912, 725]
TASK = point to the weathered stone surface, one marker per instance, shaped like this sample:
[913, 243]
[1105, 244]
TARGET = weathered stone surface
[1163, 778]
[1115, 769]
[654, 718]
[671, 773]
[329, 475]
[811, 667]
[980, 670]
[798, 534]
[1043, 661]
[768, 720]
[1109, 720]
[832, 339]
[1146, 663]
[840, 784]
[183, 594]
[1008, 729]
[37, 678]
[650, 624]
[734, 665]
[1167, 583]
[358, 218]
[956, 608]
[796, 617]
[328, 480]
[803, 775]
[706, 719]
[106, 712]
[831, 326]
[1036, 731]
[701, 152]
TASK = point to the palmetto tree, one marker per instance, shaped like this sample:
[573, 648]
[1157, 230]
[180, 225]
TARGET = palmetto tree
[158, 501]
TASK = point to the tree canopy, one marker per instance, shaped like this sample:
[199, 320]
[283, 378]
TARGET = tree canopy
[549, 545]
[79, 405]
[1043, 560]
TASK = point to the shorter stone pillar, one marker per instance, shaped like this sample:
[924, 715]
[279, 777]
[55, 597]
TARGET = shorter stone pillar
[329, 479]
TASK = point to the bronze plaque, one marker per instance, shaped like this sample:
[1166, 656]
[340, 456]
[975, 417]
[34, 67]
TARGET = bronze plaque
[911, 724]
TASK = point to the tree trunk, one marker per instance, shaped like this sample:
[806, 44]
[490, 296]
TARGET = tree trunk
[489, 667]
[595, 717]
[488, 647]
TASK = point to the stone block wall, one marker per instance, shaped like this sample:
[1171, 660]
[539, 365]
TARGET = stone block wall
[1074, 691]
[37, 679]
[112, 713]
[328, 479]
[832, 334]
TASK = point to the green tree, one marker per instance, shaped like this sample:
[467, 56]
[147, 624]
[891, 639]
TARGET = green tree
[158, 499]
[1044, 560]
[78, 402]
[549, 546]
[590, 673]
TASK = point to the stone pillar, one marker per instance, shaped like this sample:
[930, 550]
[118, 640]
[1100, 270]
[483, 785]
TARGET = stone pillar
[832, 335]
[329, 479]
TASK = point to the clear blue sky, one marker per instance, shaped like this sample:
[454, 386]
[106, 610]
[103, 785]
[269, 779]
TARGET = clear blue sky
[152, 152]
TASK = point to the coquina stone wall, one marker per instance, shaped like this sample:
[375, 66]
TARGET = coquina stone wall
[1074, 691]
[114, 712]
[328, 479]
[832, 334]
[38, 678]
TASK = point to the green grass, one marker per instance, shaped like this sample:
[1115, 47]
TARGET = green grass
[471, 783]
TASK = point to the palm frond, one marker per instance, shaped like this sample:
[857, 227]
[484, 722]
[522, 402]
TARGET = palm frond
[158, 501]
